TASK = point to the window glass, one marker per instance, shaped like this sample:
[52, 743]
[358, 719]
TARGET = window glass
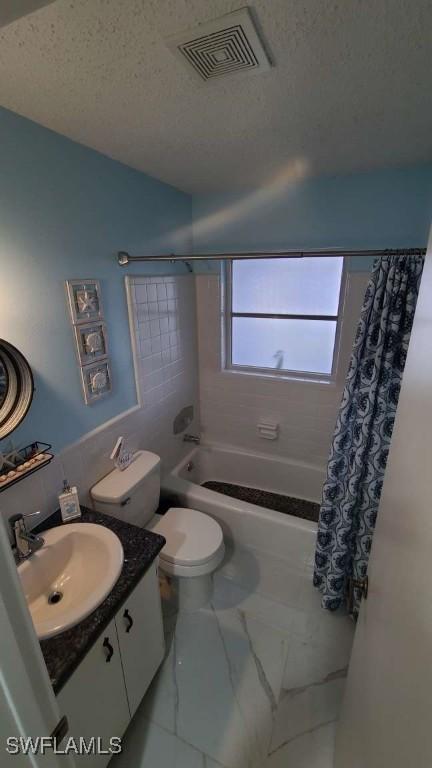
[308, 286]
[294, 345]
[298, 290]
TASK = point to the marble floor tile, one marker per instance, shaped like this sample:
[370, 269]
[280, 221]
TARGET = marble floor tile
[208, 711]
[161, 701]
[313, 663]
[208, 762]
[311, 750]
[269, 576]
[147, 745]
[314, 625]
[228, 594]
[307, 620]
[301, 710]
[247, 682]
[228, 675]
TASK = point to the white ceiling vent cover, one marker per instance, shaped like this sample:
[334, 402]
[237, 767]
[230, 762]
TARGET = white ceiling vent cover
[225, 46]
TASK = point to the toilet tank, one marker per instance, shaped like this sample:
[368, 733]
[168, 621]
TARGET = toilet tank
[133, 494]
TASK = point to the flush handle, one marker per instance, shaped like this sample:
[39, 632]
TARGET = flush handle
[125, 501]
[110, 649]
[129, 619]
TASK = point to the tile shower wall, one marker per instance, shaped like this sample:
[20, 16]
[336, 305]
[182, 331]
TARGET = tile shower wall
[306, 411]
[163, 324]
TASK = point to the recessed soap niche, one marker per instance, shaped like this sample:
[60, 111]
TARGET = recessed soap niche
[91, 338]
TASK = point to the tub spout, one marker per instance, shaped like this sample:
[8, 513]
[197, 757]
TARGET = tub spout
[191, 439]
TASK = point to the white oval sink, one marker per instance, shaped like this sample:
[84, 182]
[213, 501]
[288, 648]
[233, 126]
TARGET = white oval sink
[70, 575]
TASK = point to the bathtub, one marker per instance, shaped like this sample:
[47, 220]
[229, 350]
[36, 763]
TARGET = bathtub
[244, 524]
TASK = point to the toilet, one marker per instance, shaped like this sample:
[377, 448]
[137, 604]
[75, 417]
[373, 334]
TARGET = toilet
[194, 541]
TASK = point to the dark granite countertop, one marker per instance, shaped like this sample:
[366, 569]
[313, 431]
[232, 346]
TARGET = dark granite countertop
[65, 651]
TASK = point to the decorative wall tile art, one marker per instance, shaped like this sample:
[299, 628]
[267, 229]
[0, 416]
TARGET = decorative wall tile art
[91, 339]
[96, 381]
[92, 342]
[85, 301]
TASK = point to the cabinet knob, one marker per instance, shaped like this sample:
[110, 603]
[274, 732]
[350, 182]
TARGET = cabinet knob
[129, 619]
[110, 649]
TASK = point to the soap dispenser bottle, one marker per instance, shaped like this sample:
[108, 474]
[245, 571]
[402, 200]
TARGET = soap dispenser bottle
[69, 502]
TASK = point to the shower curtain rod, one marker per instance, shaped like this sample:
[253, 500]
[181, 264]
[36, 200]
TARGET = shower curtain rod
[124, 258]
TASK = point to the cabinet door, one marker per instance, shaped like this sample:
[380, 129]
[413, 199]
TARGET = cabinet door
[141, 636]
[94, 698]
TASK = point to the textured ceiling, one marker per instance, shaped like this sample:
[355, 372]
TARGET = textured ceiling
[350, 90]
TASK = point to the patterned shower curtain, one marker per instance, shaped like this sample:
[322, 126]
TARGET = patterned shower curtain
[364, 425]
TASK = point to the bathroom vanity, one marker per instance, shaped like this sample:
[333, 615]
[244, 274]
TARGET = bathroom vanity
[101, 668]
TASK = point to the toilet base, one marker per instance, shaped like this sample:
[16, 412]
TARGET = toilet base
[185, 594]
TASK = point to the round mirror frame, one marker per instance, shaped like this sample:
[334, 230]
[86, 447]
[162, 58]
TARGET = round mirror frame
[19, 391]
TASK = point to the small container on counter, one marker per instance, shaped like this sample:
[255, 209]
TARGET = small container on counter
[69, 502]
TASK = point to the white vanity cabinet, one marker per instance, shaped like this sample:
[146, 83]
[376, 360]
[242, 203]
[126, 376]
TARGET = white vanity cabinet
[105, 690]
[94, 698]
[141, 637]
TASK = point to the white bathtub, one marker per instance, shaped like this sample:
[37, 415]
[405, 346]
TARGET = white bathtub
[248, 525]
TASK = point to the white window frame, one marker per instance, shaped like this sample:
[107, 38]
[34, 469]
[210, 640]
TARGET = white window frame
[228, 314]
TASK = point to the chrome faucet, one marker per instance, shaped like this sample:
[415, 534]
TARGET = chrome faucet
[25, 543]
[191, 439]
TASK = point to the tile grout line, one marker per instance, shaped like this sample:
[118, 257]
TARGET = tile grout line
[184, 741]
[338, 674]
[230, 670]
[259, 667]
[299, 735]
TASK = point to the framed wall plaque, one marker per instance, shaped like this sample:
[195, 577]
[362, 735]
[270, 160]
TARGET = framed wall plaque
[96, 381]
[91, 338]
[85, 301]
[91, 341]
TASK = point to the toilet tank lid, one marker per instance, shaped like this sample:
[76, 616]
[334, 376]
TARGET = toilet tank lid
[117, 485]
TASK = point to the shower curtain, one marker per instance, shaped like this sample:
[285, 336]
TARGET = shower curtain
[362, 435]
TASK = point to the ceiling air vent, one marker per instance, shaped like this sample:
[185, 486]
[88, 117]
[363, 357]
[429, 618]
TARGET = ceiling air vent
[225, 46]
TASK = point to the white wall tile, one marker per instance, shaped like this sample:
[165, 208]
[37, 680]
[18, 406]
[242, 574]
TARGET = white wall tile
[167, 365]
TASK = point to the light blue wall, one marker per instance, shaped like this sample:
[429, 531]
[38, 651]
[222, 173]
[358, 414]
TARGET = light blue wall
[379, 209]
[64, 212]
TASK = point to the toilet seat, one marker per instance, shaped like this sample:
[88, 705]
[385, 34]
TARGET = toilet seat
[194, 542]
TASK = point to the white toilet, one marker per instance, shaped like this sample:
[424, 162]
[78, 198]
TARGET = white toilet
[194, 541]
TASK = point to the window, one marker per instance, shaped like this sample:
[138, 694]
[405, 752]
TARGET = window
[283, 315]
